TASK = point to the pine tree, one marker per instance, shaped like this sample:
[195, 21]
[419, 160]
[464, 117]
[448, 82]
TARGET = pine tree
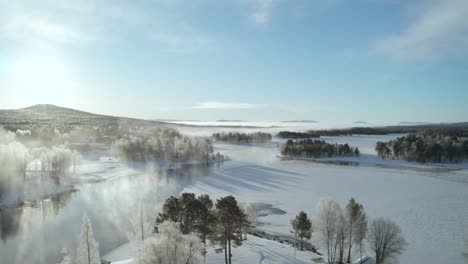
[88, 251]
[302, 226]
[229, 215]
[353, 212]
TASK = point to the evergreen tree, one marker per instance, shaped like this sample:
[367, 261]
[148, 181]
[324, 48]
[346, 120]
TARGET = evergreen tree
[170, 212]
[228, 215]
[353, 213]
[302, 226]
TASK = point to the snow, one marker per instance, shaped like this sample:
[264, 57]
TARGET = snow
[431, 211]
[253, 250]
[430, 205]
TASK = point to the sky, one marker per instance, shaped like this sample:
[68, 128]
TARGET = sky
[382, 61]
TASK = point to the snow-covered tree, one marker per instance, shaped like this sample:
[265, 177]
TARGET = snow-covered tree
[140, 223]
[88, 248]
[170, 246]
[251, 212]
[66, 257]
[328, 219]
[14, 158]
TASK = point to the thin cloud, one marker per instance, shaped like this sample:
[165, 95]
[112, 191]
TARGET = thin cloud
[439, 30]
[262, 13]
[22, 28]
[226, 105]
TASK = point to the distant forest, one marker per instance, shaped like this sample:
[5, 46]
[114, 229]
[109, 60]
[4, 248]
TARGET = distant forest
[237, 137]
[296, 135]
[435, 146]
[458, 129]
[317, 149]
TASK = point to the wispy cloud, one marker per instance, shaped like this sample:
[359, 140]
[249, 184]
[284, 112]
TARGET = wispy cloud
[56, 24]
[262, 13]
[21, 28]
[227, 105]
[439, 29]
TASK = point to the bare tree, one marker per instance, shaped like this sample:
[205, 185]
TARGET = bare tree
[329, 215]
[385, 240]
[342, 237]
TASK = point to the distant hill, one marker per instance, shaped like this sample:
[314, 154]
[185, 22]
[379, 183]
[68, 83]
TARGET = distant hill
[300, 121]
[360, 122]
[47, 114]
[229, 120]
[406, 123]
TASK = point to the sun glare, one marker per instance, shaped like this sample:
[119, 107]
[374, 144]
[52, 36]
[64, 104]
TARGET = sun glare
[42, 79]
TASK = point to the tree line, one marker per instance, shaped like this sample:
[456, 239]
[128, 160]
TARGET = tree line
[296, 135]
[158, 145]
[19, 163]
[186, 223]
[429, 146]
[317, 149]
[341, 230]
[239, 137]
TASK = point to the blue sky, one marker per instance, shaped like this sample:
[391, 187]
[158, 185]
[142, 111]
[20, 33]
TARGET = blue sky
[382, 61]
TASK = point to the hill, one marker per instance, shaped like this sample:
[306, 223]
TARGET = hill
[52, 115]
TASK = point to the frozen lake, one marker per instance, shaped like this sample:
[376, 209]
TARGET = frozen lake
[431, 206]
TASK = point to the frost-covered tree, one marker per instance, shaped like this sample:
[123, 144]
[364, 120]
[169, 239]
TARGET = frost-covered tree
[328, 218]
[14, 159]
[302, 226]
[58, 160]
[140, 224]
[251, 212]
[88, 248]
[161, 145]
[170, 246]
[66, 257]
[385, 240]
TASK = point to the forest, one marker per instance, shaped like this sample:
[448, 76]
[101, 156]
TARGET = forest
[162, 145]
[238, 137]
[433, 146]
[296, 135]
[317, 149]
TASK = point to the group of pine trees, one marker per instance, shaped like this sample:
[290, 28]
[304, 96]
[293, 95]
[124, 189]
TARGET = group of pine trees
[317, 149]
[434, 147]
[223, 223]
[238, 137]
[340, 230]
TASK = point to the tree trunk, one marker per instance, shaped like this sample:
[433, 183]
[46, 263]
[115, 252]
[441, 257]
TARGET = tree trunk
[350, 245]
[230, 255]
[302, 244]
[225, 250]
[360, 252]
